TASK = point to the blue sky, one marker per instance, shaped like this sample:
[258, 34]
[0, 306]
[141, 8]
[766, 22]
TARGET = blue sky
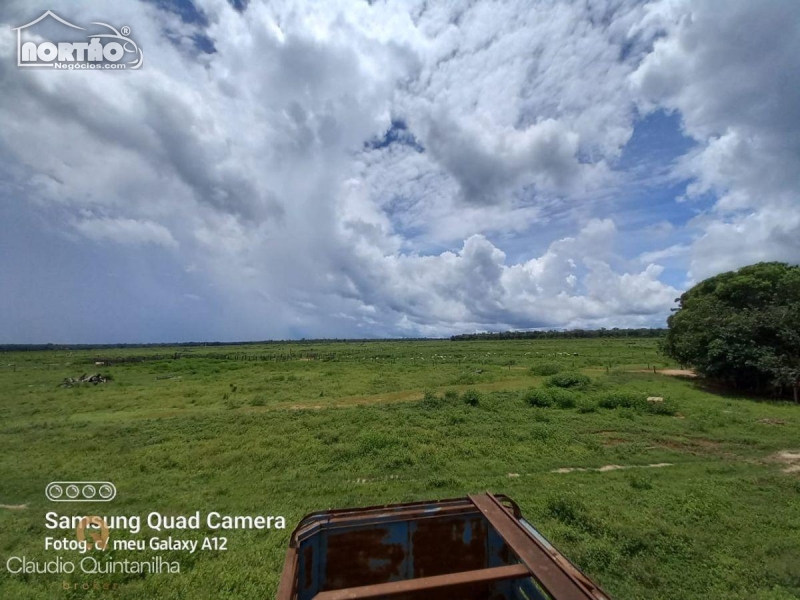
[352, 169]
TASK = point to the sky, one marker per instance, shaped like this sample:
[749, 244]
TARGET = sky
[284, 170]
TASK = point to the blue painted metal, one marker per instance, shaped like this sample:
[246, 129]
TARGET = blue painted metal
[358, 548]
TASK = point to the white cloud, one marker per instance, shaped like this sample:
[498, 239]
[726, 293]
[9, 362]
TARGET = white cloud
[126, 231]
[669, 252]
[733, 73]
[570, 284]
[259, 170]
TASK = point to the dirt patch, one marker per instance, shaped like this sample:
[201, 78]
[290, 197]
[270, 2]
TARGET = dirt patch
[678, 372]
[14, 506]
[772, 421]
[670, 372]
[791, 460]
[706, 443]
[606, 468]
[696, 446]
[613, 441]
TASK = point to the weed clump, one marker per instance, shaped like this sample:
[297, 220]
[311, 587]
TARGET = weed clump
[451, 395]
[635, 401]
[571, 511]
[471, 397]
[546, 369]
[637, 482]
[622, 399]
[563, 398]
[538, 397]
[550, 397]
[666, 407]
[442, 481]
[568, 379]
[430, 400]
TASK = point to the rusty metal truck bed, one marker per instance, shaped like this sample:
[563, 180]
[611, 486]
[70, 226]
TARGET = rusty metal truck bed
[472, 548]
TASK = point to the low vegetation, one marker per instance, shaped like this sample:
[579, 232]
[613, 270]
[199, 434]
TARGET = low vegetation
[571, 380]
[687, 495]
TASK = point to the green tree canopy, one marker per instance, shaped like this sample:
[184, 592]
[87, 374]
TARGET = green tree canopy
[742, 328]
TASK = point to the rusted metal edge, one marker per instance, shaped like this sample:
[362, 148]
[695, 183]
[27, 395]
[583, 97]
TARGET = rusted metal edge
[389, 512]
[288, 584]
[560, 579]
[564, 561]
[336, 523]
[437, 582]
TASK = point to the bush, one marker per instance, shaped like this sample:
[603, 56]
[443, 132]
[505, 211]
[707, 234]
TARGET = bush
[471, 397]
[573, 512]
[451, 395]
[587, 405]
[545, 398]
[563, 398]
[430, 400]
[538, 397]
[546, 369]
[662, 408]
[568, 379]
[622, 399]
[636, 401]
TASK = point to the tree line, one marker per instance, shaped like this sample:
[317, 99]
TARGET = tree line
[642, 332]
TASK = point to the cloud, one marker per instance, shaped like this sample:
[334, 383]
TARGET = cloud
[571, 284]
[126, 231]
[738, 96]
[353, 168]
[657, 255]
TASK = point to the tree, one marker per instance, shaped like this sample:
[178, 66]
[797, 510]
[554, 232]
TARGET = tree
[742, 328]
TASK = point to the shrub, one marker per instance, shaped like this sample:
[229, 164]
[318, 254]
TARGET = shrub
[546, 369]
[662, 408]
[442, 481]
[636, 401]
[471, 397]
[638, 482]
[451, 395]
[573, 512]
[622, 399]
[465, 379]
[568, 379]
[430, 400]
[563, 398]
[538, 397]
[553, 397]
[587, 405]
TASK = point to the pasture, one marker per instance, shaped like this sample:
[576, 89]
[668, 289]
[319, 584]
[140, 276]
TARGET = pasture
[696, 496]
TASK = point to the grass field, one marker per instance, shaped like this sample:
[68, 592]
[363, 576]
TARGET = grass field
[285, 429]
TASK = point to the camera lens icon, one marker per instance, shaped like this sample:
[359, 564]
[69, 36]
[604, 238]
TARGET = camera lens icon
[80, 491]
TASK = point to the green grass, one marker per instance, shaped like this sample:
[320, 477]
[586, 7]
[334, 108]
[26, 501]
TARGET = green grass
[379, 422]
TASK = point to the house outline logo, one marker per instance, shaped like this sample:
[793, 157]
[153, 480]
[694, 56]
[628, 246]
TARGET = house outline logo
[94, 55]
